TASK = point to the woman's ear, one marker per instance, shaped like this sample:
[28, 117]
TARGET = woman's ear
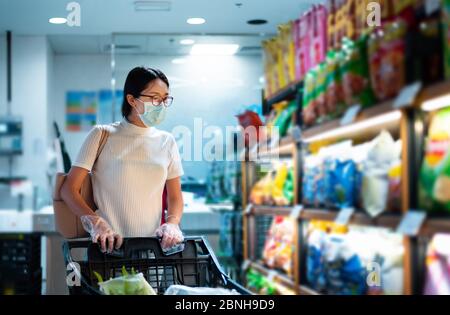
[131, 100]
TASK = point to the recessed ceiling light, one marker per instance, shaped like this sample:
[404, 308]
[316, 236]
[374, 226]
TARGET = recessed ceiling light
[179, 61]
[187, 42]
[214, 49]
[196, 21]
[57, 20]
[257, 22]
[152, 6]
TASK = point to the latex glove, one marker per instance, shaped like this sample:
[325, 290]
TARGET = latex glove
[99, 229]
[171, 235]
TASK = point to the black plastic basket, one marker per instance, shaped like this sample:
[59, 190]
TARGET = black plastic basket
[196, 266]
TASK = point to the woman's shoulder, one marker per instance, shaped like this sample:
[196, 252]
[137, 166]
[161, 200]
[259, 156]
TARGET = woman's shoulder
[165, 136]
[111, 128]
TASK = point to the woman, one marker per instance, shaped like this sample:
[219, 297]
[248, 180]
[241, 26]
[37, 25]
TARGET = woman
[136, 163]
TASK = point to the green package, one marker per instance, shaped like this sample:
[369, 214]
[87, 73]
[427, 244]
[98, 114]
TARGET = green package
[446, 35]
[284, 119]
[288, 188]
[434, 186]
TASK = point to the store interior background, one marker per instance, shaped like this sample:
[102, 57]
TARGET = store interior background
[264, 250]
[49, 60]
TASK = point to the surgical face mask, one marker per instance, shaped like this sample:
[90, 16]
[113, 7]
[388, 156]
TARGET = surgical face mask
[153, 115]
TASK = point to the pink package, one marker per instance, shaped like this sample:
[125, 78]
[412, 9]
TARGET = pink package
[305, 26]
[299, 73]
[319, 35]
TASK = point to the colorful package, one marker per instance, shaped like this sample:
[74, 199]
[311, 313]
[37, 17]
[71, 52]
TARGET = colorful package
[355, 73]
[435, 171]
[334, 93]
[279, 245]
[309, 98]
[437, 280]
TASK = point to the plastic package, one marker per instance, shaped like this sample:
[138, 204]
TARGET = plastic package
[184, 290]
[435, 172]
[438, 266]
[446, 35]
[375, 188]
[340, 259]
[279, 245]
[127, 284]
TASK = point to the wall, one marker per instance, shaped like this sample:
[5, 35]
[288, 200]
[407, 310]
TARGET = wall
[213, 89]
[29, 100]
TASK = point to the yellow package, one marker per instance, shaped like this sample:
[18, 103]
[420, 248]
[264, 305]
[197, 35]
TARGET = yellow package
[278, 184]
[280, 62]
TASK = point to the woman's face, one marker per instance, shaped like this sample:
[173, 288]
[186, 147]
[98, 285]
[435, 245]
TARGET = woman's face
[157, 90]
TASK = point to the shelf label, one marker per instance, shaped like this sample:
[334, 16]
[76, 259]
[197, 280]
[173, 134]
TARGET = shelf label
[432, 6]
[297, 133]
[248, 209]
[246, 265]
[350, 115]
[296, 212]
[407, 95]
[344, 216]
[271, 275]
[411, 223]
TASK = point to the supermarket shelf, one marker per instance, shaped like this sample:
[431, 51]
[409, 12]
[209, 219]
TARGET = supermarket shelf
[435, 225]
[432, 91]
[271, 210]
[304, 290]
[286, 148]
[383, 108]
[278, 276]
[286, 93]
[390, 221]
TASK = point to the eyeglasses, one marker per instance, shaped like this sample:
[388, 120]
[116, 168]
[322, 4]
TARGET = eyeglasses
[157, 101]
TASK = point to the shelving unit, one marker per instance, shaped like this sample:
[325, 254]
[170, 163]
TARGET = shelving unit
[406, 122]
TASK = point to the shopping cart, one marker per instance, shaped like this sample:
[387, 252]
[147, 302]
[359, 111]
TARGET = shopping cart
[195, 266]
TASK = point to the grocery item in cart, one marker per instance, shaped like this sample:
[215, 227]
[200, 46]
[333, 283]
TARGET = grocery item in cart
[279, 245]
[435, 171]
[185, 290]
[127, 284]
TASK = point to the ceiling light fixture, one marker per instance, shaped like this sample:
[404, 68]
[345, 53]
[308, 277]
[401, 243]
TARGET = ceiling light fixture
[152, 6]
[57, 20]
[187, 41]
[436, 103]
[214, 49]
[196, 21]
[257, 22]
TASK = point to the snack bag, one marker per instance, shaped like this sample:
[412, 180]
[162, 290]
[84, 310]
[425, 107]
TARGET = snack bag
[305, 27]
[320, 89]
[334, 95]
[288, 189]
[278, 184]
[319, 34]
[309, 98]
[355, 69]
[438, 267]
[435, 171]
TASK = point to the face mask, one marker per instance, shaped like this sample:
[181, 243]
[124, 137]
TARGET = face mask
[153, 115]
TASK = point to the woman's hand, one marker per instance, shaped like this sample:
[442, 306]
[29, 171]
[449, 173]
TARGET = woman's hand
[99, 229]
[171, 235]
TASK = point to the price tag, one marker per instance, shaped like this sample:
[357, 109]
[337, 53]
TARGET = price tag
[411, 223]
[296, 212]
[432, 6]
[248, 209]
[246, 265]
[344, 216]
[407, 95]
[350, 115]
[271, 275]
[297, 133]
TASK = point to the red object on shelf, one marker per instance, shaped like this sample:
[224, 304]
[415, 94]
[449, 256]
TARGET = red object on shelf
[250, 119]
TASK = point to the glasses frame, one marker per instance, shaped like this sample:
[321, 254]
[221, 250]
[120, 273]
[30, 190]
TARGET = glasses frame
[163, 101]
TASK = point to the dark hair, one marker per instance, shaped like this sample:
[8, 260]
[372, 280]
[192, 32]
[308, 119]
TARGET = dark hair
[137, 80]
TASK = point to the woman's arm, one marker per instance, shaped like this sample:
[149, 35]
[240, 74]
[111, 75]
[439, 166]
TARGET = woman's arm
[70, 191]
[98, 228]
[175, 202]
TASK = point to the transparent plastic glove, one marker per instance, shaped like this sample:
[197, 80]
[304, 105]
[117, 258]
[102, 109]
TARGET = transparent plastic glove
[99, 229]
[171, 235]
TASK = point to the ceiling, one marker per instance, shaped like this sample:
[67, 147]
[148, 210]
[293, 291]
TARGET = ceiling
[149, 32]
[102, 17]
